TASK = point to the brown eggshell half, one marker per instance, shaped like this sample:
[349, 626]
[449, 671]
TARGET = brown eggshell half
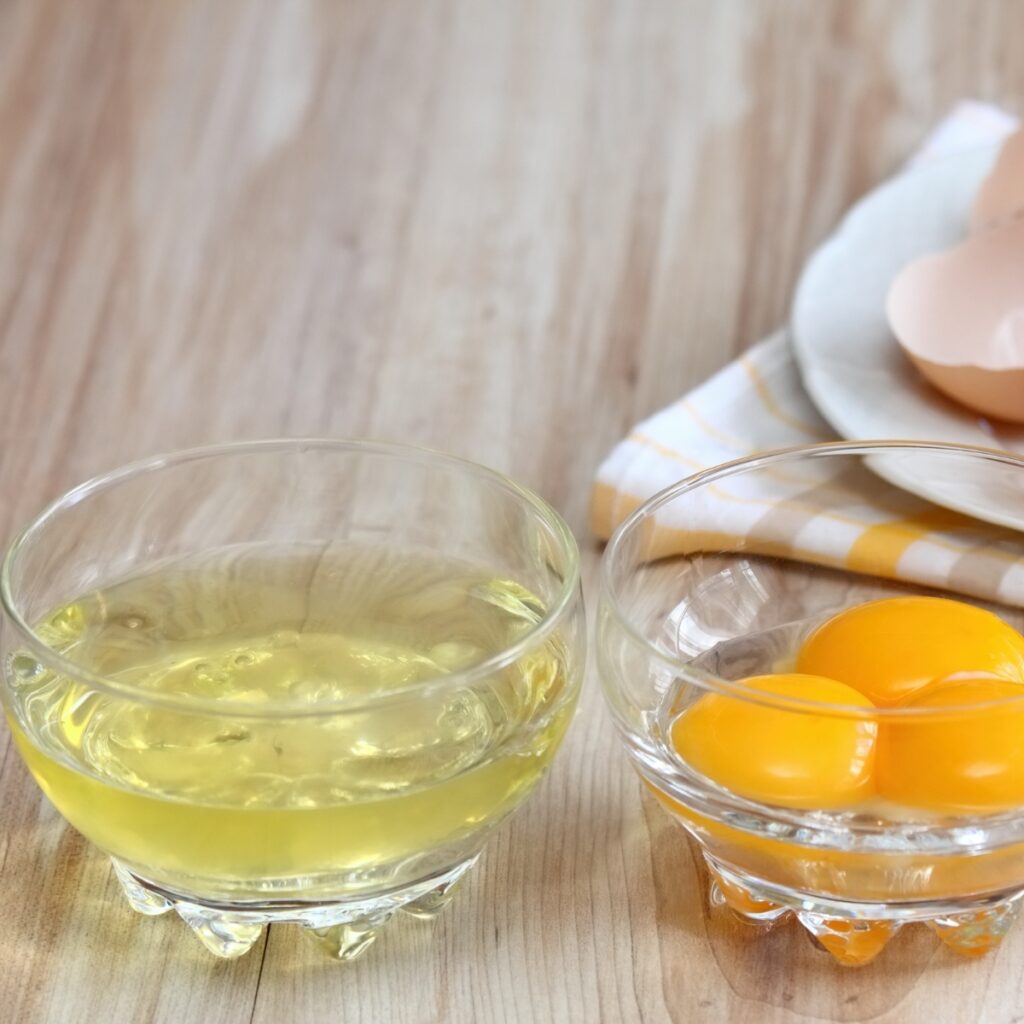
[998, 394]
[959, 316]
[1001, 195]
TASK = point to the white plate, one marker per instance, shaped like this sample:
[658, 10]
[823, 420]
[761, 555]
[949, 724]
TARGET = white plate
[851, 365]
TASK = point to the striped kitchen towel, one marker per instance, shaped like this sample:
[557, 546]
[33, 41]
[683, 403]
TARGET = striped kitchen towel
[758, 403]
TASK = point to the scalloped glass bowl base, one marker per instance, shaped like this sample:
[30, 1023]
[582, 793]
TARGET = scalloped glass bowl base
[841, 929]
[345, 929]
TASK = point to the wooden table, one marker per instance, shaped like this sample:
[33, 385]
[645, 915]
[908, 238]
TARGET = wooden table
[505, 229]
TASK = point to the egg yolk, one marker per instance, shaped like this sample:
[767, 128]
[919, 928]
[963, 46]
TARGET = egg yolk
[889, 649]
[790, 757]
[969, 760]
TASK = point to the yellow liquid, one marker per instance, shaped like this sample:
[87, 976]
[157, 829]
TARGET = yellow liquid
[403, 783]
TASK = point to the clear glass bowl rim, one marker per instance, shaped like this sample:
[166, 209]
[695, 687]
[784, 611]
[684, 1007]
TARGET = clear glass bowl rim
[712, 683]
[557, 611]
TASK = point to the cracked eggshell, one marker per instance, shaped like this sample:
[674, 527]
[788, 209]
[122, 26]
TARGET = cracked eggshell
[1001, 195]
[959, 317]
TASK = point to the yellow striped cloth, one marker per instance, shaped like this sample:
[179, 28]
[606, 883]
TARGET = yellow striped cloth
[757, 404]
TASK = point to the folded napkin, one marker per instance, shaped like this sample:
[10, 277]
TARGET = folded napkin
[758, 403]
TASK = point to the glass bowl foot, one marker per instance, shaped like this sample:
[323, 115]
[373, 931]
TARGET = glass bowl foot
[852, 943]
[350, 940]
[978, 932]
[841, 930]
[223, 933]
[344, 928]
[726, 890]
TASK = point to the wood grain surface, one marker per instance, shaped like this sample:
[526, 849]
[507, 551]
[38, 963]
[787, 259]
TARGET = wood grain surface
[505, 229]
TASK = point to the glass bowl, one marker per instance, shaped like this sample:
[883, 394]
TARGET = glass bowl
[291, 681]
[722, 577]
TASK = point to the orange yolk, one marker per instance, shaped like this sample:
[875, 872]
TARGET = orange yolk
[794, 758]
[891, 648]
[968, 760]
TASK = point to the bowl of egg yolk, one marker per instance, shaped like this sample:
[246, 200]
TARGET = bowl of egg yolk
[821, 679]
